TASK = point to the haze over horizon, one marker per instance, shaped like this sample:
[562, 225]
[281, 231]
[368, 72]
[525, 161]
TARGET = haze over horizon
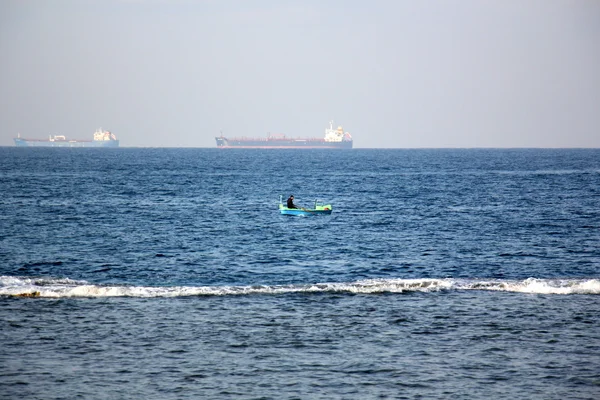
[395, 74]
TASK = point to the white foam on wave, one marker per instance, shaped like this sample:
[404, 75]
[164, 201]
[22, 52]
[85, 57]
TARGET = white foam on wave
[59, 288]
[540, 286]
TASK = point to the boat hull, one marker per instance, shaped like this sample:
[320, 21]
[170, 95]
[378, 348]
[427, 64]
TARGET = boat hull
[273, 143]
[65, 143]
[320, 210]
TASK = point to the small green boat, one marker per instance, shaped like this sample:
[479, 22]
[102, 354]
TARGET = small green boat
[319, 209]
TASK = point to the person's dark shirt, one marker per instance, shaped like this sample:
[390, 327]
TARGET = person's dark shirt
[290, 203]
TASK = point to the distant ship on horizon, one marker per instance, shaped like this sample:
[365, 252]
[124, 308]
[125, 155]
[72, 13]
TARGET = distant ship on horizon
[101, 138]
[333, 139]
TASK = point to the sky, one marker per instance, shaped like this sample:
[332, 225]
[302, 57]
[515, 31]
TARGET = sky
[395, 74]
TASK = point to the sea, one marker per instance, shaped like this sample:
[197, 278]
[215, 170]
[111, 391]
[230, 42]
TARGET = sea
[163, 273]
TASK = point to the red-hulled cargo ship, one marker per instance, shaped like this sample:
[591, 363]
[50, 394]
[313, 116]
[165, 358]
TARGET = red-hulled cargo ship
[333, 139]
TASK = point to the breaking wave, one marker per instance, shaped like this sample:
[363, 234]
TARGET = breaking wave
[64, 287]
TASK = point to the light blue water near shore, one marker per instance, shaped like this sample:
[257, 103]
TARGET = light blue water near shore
[169, 273]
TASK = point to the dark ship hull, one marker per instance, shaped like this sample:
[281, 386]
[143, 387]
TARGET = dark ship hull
[275, 143]
[66, 143]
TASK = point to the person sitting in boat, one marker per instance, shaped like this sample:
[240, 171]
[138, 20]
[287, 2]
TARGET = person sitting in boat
[290, 202]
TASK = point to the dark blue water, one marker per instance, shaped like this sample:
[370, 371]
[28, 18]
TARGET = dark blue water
[170, 274]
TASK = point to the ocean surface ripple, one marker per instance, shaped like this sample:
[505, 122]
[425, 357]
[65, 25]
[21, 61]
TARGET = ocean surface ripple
[170, 274]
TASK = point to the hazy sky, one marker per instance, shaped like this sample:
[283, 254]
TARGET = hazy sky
[456, 73]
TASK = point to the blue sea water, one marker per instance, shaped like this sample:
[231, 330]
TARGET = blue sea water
[170, 274]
